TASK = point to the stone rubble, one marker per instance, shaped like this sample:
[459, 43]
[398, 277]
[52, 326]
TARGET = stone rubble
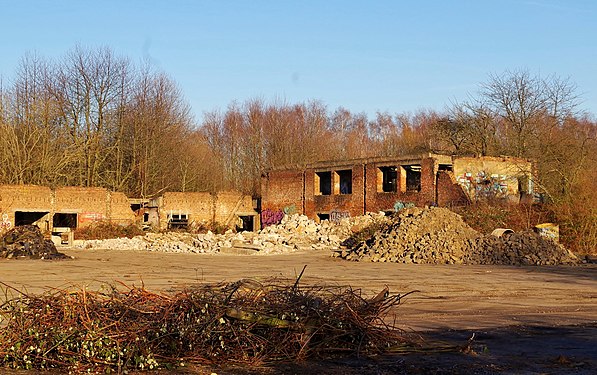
[294, 233]
[413, 235]
[440, 236]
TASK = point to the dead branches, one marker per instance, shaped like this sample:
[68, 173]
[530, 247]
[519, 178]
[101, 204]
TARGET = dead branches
[244, 322]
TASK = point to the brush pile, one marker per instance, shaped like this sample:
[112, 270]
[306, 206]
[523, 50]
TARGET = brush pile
[27, 241]
[124, 328]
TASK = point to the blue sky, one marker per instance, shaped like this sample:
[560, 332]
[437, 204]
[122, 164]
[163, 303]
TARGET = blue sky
[367, 56]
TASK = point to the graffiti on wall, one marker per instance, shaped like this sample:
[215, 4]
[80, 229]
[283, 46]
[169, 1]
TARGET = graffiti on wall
[484, 185]
[336, 215]
[271, 217]
[5, 224]
[91, 216]
[289, 210]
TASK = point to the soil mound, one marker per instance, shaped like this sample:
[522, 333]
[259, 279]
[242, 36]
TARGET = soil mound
[28, 241]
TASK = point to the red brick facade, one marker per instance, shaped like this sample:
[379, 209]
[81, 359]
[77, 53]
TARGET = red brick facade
[352, 188]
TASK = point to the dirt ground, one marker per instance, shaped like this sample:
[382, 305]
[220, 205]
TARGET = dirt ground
[529, 320]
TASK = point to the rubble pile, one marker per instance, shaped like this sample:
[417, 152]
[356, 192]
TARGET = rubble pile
[525, 248]
[416, 235]
[440, 236]
[413, 235]
[294, 233]
[27, 241]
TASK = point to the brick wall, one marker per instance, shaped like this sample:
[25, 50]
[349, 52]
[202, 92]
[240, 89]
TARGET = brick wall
[206, 208]
[449, 192]
[492, 176]
[199, 206]
[31, 198]
[282, 189]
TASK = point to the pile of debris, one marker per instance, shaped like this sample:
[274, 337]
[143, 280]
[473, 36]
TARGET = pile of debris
[246, 322]
[524, 248]
[413, 235]
[416, 235]
[294, 233]
[440, 236]
[27, 241]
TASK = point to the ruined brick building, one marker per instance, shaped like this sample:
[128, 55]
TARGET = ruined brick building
[62, 210]
[330, 190]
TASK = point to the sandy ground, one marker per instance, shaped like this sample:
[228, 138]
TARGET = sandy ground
[497, 303]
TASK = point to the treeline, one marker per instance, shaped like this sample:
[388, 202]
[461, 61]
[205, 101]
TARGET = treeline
[95, 119]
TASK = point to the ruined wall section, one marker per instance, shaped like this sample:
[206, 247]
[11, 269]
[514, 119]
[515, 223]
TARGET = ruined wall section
[199, 206]
[344, 200]
[90, 204]
[449, 192]
[283, 190]
[119, 209]
[494, 177]
[230, 204]
[27, 198]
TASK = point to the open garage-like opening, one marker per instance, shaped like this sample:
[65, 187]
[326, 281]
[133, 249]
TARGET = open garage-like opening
[39, 218]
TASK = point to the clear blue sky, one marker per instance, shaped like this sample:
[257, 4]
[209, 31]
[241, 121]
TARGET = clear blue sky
[367, 56]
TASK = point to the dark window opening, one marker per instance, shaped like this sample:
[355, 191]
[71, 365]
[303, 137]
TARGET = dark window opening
[145, 217]
[413, 177]
[445, 167]
[345, 179]
[389, 179]
[28, 218]
[246, 223]
[178, 221]
[324, 185]
[63, 220]
[136, 207]
[323, 217]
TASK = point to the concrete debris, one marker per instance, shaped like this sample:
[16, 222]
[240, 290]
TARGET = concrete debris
[27, 241]
[294, 233]
[413, 235]
[440, 236]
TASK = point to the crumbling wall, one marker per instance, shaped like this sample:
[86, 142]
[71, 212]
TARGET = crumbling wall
[230, 204]
[283, 191]
[197, 205]
[119, 210]
[22, 198]
[90, 204]
[203, 208]
[449, 192]
[493, 177]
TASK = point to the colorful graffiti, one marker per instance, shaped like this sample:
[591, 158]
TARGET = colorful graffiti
[482, 185]
[289, 210]
[271, 217]
[399, 205]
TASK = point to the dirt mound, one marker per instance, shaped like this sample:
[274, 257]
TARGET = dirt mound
[27, 241]
[440, 236]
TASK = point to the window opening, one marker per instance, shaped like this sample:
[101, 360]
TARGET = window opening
[64, 220]
[323, 217]
[246, 223]
[389, 177]
[178, 221]
[445, 167]
[345, 181]
[323, 183]
[413, 177]
[29, 218]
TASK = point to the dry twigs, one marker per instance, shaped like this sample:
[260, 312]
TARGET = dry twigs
[122, 327]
